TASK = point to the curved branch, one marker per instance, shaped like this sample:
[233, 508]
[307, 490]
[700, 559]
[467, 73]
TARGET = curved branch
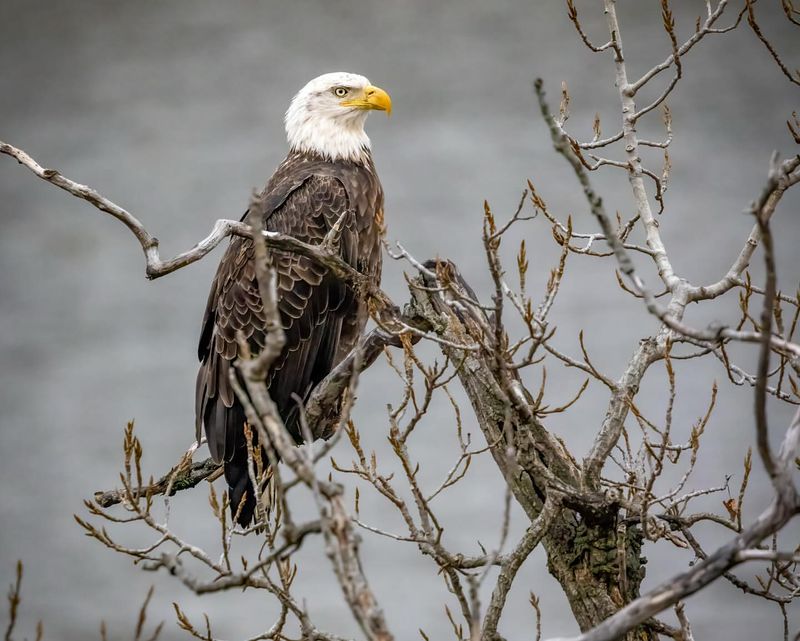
[751, 20]
[708, 27]
[155, 266]
[781, 177]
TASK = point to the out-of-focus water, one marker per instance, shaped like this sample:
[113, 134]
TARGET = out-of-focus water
[173, 110]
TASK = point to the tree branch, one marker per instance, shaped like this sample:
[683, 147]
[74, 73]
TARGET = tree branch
[155, 267]
[785, 506]
[511, 565]
[175, 480]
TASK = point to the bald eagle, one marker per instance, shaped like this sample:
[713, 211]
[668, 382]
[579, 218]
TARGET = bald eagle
[328, 171]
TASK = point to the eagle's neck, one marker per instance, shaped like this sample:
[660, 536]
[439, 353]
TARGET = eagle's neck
[340, 137]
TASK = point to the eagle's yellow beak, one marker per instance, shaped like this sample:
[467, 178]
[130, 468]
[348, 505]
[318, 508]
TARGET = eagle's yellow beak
[372, 98]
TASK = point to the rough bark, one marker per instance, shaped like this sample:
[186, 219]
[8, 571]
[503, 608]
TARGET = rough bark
[596, 560]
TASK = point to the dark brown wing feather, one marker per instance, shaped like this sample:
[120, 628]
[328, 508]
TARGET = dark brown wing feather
[321, 315]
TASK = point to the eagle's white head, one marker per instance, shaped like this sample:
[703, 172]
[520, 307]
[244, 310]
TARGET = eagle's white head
[327, 116]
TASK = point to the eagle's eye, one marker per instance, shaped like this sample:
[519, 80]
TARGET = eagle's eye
[340, 92]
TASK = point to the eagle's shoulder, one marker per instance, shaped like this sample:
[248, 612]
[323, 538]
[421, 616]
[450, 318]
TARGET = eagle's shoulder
[321, 182]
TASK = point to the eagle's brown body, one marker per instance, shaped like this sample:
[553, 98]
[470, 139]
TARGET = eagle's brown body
[322, 316]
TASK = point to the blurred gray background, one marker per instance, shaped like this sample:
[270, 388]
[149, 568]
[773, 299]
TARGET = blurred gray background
[174, 111]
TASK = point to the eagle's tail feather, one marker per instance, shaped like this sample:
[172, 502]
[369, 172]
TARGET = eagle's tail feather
[240, 490]
[226, 442]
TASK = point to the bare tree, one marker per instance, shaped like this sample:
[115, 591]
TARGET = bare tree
[595, 517]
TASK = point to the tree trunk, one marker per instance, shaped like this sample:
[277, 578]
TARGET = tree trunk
[594, 556]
